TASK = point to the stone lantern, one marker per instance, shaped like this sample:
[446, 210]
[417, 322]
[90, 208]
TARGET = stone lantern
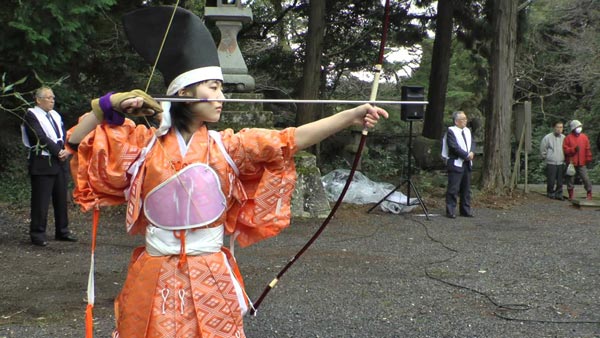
[229, 16]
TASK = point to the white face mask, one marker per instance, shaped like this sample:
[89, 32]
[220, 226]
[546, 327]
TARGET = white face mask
[578, 130]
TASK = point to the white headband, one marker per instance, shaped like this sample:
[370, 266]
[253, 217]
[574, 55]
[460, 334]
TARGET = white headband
[193, 76]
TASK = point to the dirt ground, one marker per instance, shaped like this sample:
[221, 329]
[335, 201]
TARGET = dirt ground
[523, 267]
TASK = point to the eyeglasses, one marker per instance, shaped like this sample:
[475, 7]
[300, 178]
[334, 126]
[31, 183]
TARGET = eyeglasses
[47, 97]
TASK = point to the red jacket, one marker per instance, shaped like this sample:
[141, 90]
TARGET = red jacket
[577, 149]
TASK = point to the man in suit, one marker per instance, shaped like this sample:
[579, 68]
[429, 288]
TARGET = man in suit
[458, 151]
[44, 134]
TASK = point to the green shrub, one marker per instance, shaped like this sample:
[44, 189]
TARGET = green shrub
[14, 179]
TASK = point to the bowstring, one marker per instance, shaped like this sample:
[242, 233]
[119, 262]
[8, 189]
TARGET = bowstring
[159, 141]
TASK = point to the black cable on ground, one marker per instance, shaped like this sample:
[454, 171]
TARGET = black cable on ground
[510, 307]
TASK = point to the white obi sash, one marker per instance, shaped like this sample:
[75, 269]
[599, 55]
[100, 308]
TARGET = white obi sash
[160, 242]
[192, 198]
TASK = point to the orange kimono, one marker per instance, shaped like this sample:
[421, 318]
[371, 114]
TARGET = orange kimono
[184, 283]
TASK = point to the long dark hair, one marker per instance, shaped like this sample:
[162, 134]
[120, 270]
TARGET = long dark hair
[181, 116]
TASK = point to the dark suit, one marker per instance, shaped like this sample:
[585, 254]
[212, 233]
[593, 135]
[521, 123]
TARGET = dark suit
[48, 181]
[459, 177]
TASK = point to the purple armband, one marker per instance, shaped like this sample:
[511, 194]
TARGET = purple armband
[111, 116]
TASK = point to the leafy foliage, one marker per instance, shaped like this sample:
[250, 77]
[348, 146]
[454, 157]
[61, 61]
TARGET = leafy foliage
[557, 66]
[52, 33]
[79, 48]
[351, 42]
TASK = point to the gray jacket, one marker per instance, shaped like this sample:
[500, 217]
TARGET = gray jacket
[551, 149]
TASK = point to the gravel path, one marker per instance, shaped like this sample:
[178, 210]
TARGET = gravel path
[527, 270]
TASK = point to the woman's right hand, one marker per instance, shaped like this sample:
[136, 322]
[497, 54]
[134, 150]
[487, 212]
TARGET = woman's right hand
[135, 103]
[113, 107]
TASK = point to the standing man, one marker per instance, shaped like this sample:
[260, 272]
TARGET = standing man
[458, 151]
[578, 151]
[44, 134]
[551, 149]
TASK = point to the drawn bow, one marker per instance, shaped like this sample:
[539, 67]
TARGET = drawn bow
[372, 99]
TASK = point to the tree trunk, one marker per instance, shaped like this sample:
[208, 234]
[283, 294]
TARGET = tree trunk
[282, 39]
[440, 67]
[312, 66]
[496, 162]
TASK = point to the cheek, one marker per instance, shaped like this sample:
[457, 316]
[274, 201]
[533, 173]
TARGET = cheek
[199, 107]
[213, 95]
[204, 93]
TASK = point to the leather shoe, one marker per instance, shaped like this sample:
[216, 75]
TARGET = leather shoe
[467, 215]
[66, 238]
[39, 242]
[451, 215]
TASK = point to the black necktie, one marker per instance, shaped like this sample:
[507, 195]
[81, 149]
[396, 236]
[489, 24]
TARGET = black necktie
[60, 142]
[55, 126]
[465, 138]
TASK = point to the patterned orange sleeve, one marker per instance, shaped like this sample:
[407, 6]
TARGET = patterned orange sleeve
[99, 167]
[268, 175]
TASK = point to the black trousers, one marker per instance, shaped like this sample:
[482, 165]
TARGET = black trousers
[44, 188]
[554, 179]
[459, 185]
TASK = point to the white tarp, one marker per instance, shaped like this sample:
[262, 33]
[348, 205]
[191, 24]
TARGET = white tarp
[363, 191]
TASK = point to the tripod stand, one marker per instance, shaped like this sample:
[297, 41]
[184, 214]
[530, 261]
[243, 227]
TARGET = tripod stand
[409, 184]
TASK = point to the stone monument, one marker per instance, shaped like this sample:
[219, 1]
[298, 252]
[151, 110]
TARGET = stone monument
[229, 17]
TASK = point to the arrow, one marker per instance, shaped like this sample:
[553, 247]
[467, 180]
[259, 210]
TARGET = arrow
[352, 102]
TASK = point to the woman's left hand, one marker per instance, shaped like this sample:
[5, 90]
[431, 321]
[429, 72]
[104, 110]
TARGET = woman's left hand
[368, 115]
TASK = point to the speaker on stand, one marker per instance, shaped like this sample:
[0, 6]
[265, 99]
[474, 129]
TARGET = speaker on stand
[410, 112]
